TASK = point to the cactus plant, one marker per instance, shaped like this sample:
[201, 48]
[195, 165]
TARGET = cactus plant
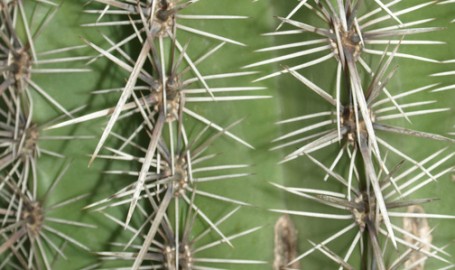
[172, 103]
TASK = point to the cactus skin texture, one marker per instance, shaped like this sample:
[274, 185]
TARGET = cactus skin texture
[256, 186]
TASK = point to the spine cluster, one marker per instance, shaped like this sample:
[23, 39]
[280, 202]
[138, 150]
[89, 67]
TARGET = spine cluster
[30, 231]
[364, 45]
[159, 141]
[166, 140]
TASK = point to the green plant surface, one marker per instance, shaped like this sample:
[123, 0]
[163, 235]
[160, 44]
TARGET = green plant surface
[296, 99]
[289, 98]
[73, 90]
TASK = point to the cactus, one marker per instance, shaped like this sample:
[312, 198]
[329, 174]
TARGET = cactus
[201, 131]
